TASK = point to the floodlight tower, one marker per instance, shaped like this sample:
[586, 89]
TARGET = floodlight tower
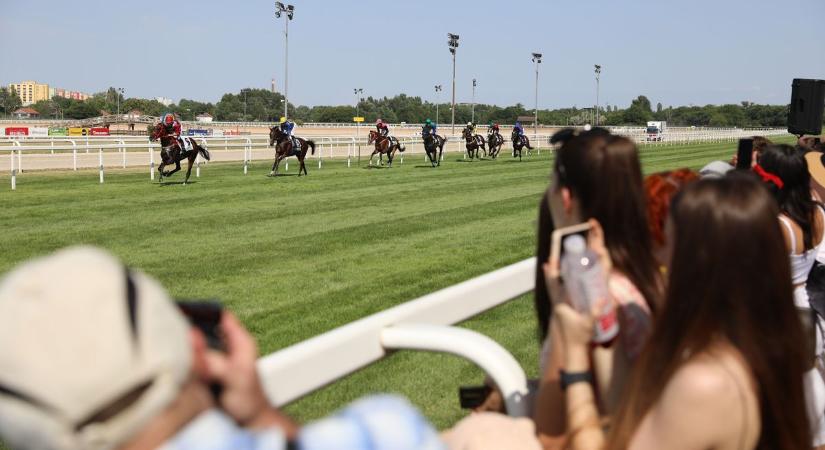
[438, 89]
[357, 91]
[473, 113]
[598, 74]
[119, 92]
[288, 11]
[537, 61]
[452, 42]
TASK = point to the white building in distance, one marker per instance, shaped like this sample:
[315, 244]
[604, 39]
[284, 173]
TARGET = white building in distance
[164, 101]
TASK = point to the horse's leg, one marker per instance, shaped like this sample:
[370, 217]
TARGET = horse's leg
[189, 169]
[274, 165]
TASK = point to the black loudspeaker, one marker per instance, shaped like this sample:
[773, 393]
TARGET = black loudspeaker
[807, 104]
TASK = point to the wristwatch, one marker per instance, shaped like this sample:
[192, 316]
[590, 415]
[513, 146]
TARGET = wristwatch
[568, 378]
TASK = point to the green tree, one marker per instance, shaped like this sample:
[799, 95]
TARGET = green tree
[9, 100]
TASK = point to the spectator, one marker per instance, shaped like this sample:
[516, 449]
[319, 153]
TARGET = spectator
[598, 176]
[785, 171]
[95, 356]
[712, 376]
[718, 169]
[660, 188]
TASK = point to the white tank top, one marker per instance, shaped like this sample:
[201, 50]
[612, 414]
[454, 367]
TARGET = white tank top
[801, 263]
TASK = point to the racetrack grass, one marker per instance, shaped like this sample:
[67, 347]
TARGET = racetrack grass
[295, 257]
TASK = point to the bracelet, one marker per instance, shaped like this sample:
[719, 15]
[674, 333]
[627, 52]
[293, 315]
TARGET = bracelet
[568, 378]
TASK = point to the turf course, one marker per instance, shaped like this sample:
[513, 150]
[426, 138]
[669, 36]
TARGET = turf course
[297, 257]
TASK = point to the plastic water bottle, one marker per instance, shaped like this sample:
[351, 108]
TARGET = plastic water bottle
[585, 282]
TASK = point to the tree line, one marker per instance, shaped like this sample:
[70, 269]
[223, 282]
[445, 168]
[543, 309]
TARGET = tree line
[261, 105]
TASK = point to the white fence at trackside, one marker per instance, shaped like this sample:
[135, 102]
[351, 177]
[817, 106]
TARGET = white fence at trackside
[136, 151]
[421, 324]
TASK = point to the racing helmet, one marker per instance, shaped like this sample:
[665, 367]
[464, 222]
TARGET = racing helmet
[169, 119]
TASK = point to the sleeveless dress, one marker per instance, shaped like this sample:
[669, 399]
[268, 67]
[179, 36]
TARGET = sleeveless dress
[801, 265]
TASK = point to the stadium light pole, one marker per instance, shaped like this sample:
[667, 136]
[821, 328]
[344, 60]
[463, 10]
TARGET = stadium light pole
[357, 91]
[473, 113]
[118, 93]
[537, 61]
[452, 42]
[288, 11]
[438, 88]
[598, 74]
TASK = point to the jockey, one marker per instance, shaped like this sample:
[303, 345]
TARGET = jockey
[428, 129]
[518, 129]
[383, 129]
[172, 127]
[472, 127]
[494, 128]
[286, 127]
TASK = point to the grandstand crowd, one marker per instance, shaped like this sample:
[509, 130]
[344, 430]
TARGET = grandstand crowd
[717, 277]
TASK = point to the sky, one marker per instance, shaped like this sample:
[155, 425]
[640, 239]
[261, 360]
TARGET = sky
[674, 52]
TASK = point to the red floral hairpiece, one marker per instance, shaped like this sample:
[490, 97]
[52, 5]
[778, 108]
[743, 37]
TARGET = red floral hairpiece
[767, 176]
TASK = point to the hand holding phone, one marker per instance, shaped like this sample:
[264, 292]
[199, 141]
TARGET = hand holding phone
[744, 154]
[206, 317]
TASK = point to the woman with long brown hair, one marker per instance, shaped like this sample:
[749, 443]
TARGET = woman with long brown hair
[723, 368]
[598, 176]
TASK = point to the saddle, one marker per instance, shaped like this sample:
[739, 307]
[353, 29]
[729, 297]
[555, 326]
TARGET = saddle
[296, 146]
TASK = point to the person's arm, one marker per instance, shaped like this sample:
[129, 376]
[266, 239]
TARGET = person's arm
[582, 413]
[550, 407]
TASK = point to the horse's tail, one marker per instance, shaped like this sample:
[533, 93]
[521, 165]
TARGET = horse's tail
[401, 147]
[311, 145]
[204, 152]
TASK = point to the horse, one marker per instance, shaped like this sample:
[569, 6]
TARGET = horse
[519, 142]
[285, 149]
[473, 143]
[495, 141]
[171, 152]
[384, 144]
[434, 146]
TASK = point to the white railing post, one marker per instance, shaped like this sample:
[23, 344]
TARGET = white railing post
[100, 159]
[74, 153]
[13, 171]
[151, 163]
[123, 149]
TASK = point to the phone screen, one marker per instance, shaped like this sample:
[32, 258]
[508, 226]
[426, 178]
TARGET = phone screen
[744, 154]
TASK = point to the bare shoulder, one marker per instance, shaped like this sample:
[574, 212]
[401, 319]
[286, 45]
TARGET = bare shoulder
[707, 380]
[713, 395]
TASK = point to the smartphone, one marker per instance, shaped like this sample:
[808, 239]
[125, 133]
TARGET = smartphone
[205, 315]
[556, 239]
[818, 144]
[471, 397]
[744, 154]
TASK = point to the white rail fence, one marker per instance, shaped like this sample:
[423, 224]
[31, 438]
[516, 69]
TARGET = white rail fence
[424, 324]
[135, 151]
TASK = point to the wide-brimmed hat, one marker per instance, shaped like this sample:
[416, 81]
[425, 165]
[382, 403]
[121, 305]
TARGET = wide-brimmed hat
[90, 352]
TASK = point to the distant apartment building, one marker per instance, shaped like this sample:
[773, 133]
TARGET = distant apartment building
[31, 92]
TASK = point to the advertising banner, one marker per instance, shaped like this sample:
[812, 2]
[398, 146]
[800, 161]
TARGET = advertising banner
[77, 131]
[99, 131]
[38, 131]
[217, 133]
[58, 131]
[17, 131]
[231, 133]
[197, 132]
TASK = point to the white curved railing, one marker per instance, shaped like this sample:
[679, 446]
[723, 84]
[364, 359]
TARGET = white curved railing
[421, 324]
[62, 152]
